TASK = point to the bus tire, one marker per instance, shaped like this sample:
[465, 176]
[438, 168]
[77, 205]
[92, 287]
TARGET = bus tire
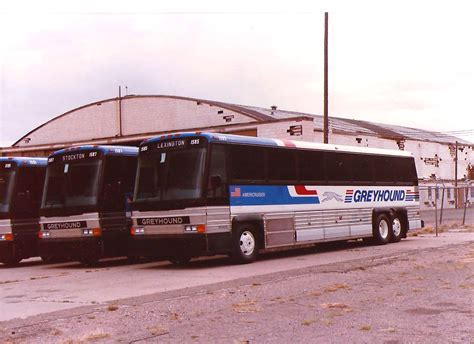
[48, 259]
[382, 230]
[397, 228]
[12, 260]
[244, 244]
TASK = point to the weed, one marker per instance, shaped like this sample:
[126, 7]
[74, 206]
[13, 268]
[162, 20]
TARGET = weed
[158, 330]
[307, 322]
[389, 329]
[246, 307]
[96, 335]
[39, 277]
[112, 307]
[336, 305]
[56, 332]
[335, 287]
[327, 321]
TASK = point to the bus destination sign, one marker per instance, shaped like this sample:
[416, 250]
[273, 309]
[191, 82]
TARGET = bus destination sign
[74, 156]
[173, 144]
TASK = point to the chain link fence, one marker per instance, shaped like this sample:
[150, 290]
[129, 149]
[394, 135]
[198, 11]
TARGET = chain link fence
[446, 205]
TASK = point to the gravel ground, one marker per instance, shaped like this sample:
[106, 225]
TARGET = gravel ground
[422, 296]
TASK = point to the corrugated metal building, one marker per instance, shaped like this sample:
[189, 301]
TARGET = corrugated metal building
[133, 118]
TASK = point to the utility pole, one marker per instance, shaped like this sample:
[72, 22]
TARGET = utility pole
[120, 110]
[456, 177]
[326, 120]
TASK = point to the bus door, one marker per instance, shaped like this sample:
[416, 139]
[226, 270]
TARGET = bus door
[218, 210]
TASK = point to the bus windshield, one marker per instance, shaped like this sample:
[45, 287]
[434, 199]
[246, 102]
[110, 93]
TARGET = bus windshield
[6, 188]
[72, 184]
[170, 176]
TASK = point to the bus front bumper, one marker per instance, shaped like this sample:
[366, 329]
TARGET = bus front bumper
[7, 249]
[193, 245]
[72, 248]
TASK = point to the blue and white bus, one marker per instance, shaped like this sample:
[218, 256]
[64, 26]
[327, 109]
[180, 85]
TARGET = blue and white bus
[21, 186]
[207, 193]
[85, 213]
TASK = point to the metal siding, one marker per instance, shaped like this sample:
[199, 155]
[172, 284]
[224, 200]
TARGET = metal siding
[218, 220]
[279, 229]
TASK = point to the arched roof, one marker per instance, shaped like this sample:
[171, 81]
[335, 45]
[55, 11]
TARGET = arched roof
[252, 114]
[148, 114]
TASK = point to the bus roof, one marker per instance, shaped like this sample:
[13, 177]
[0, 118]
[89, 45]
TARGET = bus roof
[106, 150]
[250, 140]
[25, 161]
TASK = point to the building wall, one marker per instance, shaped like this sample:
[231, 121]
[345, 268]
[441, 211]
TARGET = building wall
[138, 116]
[146, 115]
[280, 130]
[83, 124]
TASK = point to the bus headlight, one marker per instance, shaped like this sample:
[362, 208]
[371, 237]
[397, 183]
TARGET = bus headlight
[195, 228]
[137, 230]
[44, 234]
[94, 232]
[6, 237]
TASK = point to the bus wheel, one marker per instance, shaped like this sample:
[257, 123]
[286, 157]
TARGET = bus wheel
[180, 260]
[397, 229]
[11, 260]
[244, 245]
[382, 229]
[47, 259]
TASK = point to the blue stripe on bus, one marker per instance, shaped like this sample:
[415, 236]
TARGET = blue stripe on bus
[266, 195]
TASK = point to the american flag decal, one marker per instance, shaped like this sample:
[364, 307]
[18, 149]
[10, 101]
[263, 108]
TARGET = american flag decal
[348, 198]
[235, 193]
[412, 196]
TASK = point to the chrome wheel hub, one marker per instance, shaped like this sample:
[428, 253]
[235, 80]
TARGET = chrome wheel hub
[397, 227]
[247, 243]
[383, 229]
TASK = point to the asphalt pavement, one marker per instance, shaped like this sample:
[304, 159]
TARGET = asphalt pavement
[381, 291]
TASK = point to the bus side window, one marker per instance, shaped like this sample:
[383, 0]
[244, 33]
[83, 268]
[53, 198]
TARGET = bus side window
[405, 171]
[281, 165]
[217, 180]
[247, 164]
[339, 167]
[384, 170]
[362, 169]
[311, 166]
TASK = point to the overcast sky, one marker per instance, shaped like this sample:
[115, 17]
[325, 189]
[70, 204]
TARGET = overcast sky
[405, 62]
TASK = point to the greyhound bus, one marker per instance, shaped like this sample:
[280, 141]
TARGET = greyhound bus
[85, 212]
[21, 185]
[207, 193]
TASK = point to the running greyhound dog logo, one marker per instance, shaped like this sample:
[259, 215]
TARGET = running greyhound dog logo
[329, 196]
